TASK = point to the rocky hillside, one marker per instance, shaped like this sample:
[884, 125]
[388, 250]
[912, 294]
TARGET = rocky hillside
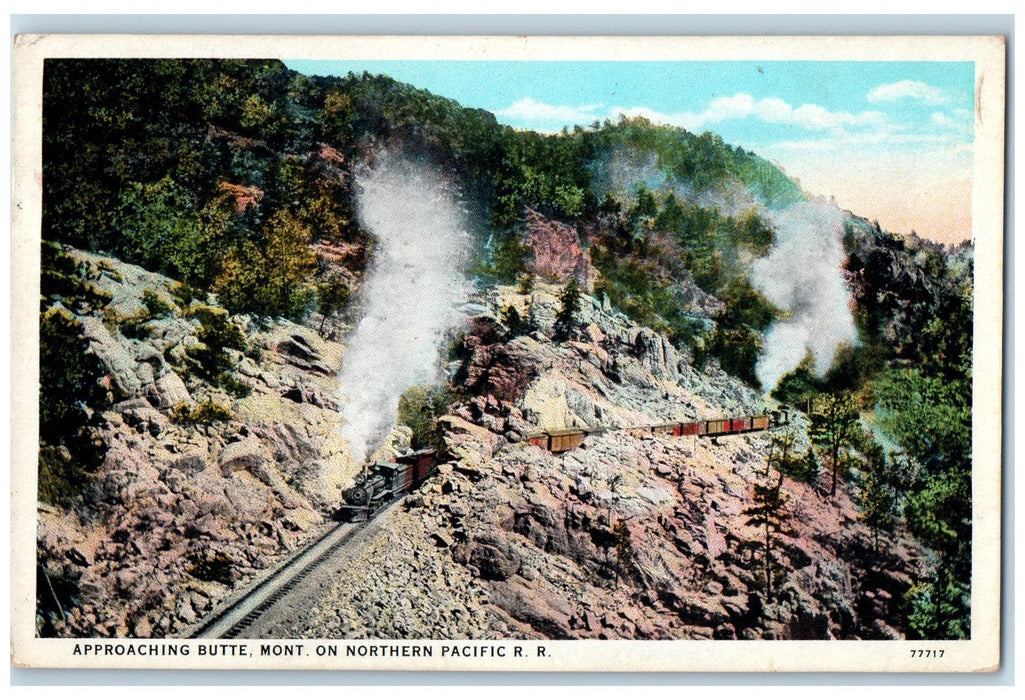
[630, 536]
[202, 486]
[190, 418]
[511, 541]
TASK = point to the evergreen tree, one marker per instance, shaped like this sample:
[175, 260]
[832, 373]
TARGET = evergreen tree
[513, 322]
[878, 494]
[332, 297]
[834, 427]
[624, 548]
[781, 454]
[565, 320]
[768, 513]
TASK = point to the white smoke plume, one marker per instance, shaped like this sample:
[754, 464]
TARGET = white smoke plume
[803, 275]
[620, 173]
[412, 295]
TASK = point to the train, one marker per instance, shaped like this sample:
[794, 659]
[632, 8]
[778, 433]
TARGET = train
[382, 482]
[557, 441]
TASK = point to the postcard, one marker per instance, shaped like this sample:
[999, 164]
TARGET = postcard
[508, 353]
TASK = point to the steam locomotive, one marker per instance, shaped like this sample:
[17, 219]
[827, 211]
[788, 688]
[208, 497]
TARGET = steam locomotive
[557, 441]
[382, 482]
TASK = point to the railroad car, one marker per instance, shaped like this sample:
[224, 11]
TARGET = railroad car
[561, 440]
[557, 441]
[382, 482]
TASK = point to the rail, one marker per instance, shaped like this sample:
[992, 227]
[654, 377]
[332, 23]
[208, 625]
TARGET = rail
[239, 613]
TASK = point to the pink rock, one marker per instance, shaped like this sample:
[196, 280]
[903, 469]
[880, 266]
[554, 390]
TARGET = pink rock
[556, 248]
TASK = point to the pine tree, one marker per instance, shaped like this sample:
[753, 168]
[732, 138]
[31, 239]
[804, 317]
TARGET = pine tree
[565, 320]
[834, 426]
[513, 322]
[781, 455]
[878, 493]
[768, 513]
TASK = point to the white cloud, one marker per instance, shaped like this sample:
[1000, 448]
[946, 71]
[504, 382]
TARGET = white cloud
[771, 110]
[907, 90]
[530, 111]
[957, 120]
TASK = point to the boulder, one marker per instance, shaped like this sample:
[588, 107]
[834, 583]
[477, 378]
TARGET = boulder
[115, 355]
[248, 454]
[168, 391]
[495, 560]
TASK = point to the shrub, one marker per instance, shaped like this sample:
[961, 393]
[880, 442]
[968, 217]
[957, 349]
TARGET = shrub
[69, 388]
[216, 334]
[184, 294]
[419, 409]
[204, 414]
[60, 479]
[69, 377]
[234, 386]
[155, 305]
[133, 326]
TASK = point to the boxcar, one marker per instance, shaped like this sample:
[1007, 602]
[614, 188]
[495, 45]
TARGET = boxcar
[419, 465]
[562, 440]
[717, 427]
[760, 423]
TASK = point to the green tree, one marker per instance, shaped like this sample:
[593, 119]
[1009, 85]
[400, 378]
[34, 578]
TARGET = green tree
[274, 281]
[70, 394]
[624, 548]
[217, 335]
[878, 493]
[419, 410]
[290, 265]
[781, 453]
[768, 513]
[513, 322]
[565, 319]
[834, 427]
[332, 297]
[154, 218]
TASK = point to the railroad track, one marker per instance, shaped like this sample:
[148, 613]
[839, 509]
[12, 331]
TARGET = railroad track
[233, 618]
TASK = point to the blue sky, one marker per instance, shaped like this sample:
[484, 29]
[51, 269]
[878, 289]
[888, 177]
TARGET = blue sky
[889, 140]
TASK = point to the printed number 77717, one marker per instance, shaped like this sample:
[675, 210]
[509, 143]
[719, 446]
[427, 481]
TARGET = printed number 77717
[927, 653]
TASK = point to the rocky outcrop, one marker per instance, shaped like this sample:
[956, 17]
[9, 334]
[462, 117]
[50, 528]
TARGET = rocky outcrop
[187, 504]
[556, 248]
